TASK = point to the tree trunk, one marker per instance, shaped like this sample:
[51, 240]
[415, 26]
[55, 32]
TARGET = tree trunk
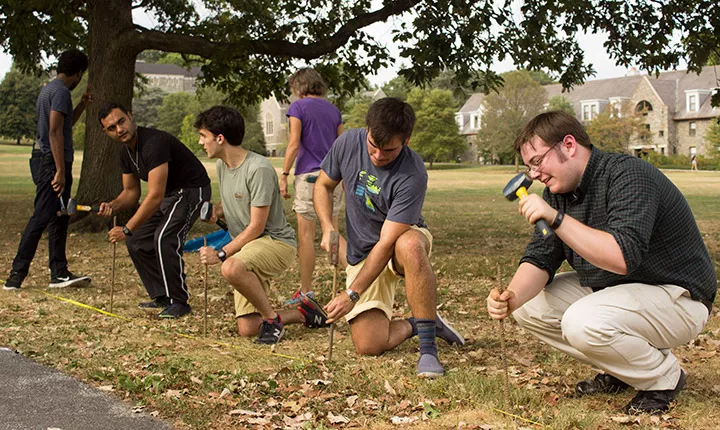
[17, 142]
[111, 74]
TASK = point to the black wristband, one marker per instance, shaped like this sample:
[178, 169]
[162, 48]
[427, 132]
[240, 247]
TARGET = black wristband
[126, 231]
[286, 173]
[558, 220]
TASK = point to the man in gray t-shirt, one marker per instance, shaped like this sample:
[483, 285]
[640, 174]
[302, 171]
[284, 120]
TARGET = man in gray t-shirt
[385, 183]
[51, 169]
[263, 244]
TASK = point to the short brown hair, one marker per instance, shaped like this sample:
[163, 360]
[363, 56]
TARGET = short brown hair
[307, 82]
[390, 117]
[552, 127]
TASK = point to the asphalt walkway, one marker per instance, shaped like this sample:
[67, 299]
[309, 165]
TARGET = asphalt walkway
[37, 397]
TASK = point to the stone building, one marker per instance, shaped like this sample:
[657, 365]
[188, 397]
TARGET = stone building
[675, 107]
[169, 77]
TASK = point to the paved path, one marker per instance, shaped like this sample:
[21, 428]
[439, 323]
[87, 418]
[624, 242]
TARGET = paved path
[36, 397]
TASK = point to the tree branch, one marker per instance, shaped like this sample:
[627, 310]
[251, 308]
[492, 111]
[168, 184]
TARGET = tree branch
[183, 44]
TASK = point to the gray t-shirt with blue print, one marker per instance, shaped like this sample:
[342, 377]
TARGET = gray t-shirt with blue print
[395, 192]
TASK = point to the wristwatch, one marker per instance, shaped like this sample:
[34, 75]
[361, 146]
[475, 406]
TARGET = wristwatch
[354, 297]
[558, 220]
[126, 231]
[222, 255]
[286, 173]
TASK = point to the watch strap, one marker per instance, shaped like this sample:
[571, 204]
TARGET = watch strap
[126, 231]
[353, 295]
[558, 220]
[222, 255]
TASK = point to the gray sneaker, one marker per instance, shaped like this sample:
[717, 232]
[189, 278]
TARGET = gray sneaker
[446, 332]
[429, 367]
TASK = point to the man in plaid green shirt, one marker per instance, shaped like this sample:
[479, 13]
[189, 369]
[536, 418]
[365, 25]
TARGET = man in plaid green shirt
[643, 281]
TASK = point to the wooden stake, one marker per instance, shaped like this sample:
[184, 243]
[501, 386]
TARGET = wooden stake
[205, 288]
[506, 397]
[112, 279]
[334, 250]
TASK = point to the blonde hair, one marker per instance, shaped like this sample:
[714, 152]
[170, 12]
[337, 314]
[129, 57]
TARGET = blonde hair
[307, 82]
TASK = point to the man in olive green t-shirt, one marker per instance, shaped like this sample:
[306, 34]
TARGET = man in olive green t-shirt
[263, 244]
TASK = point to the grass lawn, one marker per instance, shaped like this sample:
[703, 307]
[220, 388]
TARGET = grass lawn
[169, 369]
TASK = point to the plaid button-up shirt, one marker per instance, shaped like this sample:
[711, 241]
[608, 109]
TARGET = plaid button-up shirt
[648, 217]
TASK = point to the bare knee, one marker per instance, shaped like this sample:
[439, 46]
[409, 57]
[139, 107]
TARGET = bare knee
[368, 349]
[248, 325]
[232, 270]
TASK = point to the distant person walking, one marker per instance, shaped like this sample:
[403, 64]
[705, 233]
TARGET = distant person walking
[693, 162]
[51, 168]
[314, 125]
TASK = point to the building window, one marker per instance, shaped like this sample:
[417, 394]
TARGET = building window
[661, 133]
[589, 111]
[268, 125]
[647, 127]
[644, 107]
[692, 129]
[476, 122]
[692, 103]
[662, 151]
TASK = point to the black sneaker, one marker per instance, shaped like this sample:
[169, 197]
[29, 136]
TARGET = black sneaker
[67, 279]
[602, 384]
[13, 282]
[655, 401]
[157, 303]
[271, 331]
[175, 310]
[315, 316]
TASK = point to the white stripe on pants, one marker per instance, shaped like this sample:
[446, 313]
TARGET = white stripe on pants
[626, 330]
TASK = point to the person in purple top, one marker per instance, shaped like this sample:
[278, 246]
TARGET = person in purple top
[314, 125]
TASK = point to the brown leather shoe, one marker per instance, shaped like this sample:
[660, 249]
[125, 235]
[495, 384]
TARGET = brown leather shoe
[655, 401]
[603, 383]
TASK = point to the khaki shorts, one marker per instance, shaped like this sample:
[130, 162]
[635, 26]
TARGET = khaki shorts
[266, 258]
[381, 293]
[303, 203]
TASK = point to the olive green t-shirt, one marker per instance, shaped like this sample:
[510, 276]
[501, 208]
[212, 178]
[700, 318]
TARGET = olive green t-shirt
[253, 183]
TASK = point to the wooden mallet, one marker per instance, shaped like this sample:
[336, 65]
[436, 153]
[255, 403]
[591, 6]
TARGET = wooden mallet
[334, 250]
[112, 278]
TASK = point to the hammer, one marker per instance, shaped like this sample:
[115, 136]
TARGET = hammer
[72, 208]
[517, 188]
[206, 211]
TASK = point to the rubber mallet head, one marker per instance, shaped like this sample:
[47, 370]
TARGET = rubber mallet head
[517, 188]
[206, 211]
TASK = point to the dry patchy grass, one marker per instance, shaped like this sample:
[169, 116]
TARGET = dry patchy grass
[222, 381]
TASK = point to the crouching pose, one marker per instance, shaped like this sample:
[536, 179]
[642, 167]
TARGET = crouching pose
[643, 280]
[387, 237]
[263, 244]
[177, 186]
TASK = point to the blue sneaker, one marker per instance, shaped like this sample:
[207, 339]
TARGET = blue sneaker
[446, 332]
[429, 367]
[296, 298]
[271, 331]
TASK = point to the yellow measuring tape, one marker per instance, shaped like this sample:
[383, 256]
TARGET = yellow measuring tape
[187, 336]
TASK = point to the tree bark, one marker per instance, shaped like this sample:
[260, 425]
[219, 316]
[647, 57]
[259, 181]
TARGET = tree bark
[110, 73]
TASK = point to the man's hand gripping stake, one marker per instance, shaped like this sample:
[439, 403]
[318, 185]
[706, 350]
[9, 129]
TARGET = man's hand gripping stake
[334, 250]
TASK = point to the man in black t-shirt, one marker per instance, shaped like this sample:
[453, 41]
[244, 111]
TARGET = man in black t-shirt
[178, 184]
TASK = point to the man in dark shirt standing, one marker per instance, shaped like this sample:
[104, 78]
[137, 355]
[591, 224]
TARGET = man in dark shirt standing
[51, 169]
[178, 184]
[643, 281]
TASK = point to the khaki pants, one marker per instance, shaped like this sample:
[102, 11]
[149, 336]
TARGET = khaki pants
[626, 330]
[266, 258]
[381, 293]
[303, 202]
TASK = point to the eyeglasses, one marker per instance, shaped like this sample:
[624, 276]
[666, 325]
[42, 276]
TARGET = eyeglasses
[534, 165]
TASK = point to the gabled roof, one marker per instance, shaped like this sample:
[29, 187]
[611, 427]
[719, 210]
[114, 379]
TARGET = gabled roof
[165, 69]
[473, 103]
